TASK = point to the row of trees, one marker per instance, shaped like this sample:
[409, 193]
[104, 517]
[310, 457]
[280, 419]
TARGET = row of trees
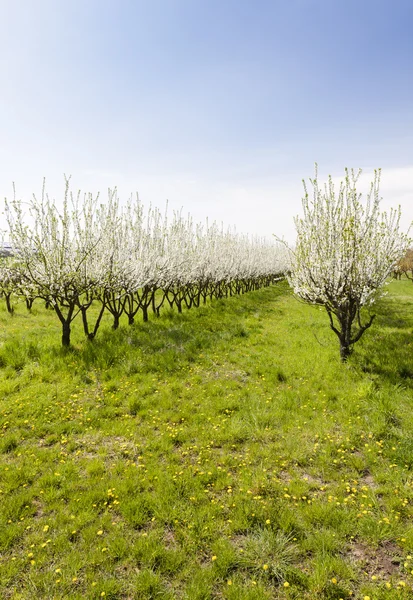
[125, 258]
[129, 259]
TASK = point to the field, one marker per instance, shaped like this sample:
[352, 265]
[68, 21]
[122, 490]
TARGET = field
[224, 452]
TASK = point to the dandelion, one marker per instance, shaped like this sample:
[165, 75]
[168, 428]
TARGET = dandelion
[334, 580]
[286, 584]
[100, 532]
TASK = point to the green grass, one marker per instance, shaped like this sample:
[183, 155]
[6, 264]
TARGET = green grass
[222, 453]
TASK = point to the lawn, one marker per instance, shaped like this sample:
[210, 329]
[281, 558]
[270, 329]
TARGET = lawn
[224, 452]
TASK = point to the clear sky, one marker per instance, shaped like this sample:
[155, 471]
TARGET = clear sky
[220, 106]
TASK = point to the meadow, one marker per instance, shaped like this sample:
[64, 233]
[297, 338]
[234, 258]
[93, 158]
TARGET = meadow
[224, 452]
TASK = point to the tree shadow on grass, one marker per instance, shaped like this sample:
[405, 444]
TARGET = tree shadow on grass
[167, 343]
[387, 350]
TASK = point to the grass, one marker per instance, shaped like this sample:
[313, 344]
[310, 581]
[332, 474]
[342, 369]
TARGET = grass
[222, 453]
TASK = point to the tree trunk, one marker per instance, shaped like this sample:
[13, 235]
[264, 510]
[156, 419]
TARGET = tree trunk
[346, 316]
[10, 308]
[90, 335]
[153, 304]
[85, 323]
[345, 335]
[65, 321]
[66, 333]
[345, 351]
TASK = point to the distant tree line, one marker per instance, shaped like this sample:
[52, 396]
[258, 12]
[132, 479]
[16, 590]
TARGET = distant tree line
[404, 266]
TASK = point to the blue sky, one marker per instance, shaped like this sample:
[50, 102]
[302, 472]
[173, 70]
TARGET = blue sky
[220, 106]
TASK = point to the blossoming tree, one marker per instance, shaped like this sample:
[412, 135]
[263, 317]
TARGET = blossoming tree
[345, 250]
[56, 252]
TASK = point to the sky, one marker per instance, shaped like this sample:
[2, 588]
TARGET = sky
[221, 107]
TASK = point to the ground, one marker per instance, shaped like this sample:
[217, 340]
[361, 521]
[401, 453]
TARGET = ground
[222, 453]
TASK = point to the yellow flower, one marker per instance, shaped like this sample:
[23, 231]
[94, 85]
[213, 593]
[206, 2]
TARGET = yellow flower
[265, 567]
[100, 532]
[286, 584]
[229, 582]
[46, 528]
[334, 580]
[214, 558]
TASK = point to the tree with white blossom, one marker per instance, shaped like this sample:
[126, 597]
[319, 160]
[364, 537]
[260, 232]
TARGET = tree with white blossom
[345, 250]
[56, 251]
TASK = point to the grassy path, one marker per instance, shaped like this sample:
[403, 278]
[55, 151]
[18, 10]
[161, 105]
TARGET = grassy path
[221, 453]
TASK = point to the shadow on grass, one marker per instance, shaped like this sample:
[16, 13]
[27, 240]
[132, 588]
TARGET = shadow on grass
[388, 350]
[167, 343]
